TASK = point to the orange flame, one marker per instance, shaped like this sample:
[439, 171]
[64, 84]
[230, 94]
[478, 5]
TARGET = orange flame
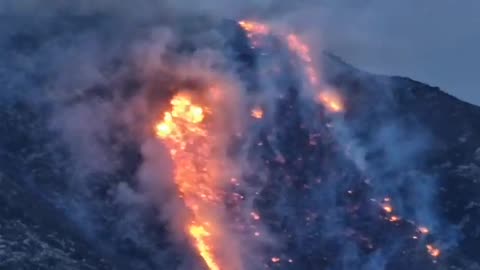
[388, 208]
[257, 113]
[302, 50]
[255, 216]
[331, 100]
[433, 251]
[200, 234]
[186, 135]
[256, 28]
[394, 218]
[424, 230]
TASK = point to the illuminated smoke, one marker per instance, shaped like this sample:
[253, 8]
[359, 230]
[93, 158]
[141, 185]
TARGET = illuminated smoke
[257, 113]
[330, 99]
[433, 251]
[196, 172]
[202, 179]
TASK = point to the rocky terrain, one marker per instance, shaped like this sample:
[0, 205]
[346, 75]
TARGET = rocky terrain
[397, 138]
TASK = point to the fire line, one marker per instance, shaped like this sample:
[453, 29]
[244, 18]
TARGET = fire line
[330, 99]
[185, 133]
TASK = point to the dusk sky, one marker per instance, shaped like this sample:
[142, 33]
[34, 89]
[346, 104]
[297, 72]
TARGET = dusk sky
[432, 41]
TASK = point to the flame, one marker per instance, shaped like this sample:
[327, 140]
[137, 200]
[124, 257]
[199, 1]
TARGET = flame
[257, 113]
[186, 134]
[331, 100]
[254, 28]
[394, 218]
[200, 234]
[302, 50]
[255, 216]
[433, 251]
[388, 208]
[423, 230]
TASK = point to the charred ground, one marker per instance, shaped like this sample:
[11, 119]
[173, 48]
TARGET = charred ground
[317, 200]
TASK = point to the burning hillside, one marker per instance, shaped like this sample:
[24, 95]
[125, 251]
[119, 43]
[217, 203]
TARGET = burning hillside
[205, 184]
[227, 145]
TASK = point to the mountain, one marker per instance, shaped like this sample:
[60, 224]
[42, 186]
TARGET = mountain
[398, 142]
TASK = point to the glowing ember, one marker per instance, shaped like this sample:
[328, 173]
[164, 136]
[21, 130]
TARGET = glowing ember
[256, 28]
[196, 172]
[424, 230]
[331, 100]
[301, 49]
[388, 208]
[433, 251]
[257, 113]
[255, 216]
[200, 234]
[394, 218]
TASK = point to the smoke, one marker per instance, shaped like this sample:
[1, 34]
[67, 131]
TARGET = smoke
[103, 74]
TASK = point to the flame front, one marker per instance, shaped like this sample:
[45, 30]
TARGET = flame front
[254, 28]
[184, 131]
[433, 251]
[257, 113]
[200, 234]
[331, 100]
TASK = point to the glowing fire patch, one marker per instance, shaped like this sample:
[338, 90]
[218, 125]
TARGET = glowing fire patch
[200, 234]
[331, 100]
[423, 230]
[255, 216]
[394, 219]
[433, 251]
[255, 28]
[257, 113]
[302, 50]
[185, 133]
[388, 208]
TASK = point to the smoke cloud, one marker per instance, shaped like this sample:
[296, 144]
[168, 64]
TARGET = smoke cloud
[102, 73]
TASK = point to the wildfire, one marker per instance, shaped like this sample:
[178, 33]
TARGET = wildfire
[424, 230]
[257, 113]
[388, 208]
[255, 216]
[331, 100]
[433, 251]
[200, 235]
[297, 46]
[302, 50]
[394, 218]
[186, 134]
[255, 28]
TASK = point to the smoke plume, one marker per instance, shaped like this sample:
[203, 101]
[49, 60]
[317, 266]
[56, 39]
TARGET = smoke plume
[300, 172]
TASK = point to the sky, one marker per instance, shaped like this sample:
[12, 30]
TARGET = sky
[433, 41]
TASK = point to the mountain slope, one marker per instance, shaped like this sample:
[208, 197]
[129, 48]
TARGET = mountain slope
[397, 138]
